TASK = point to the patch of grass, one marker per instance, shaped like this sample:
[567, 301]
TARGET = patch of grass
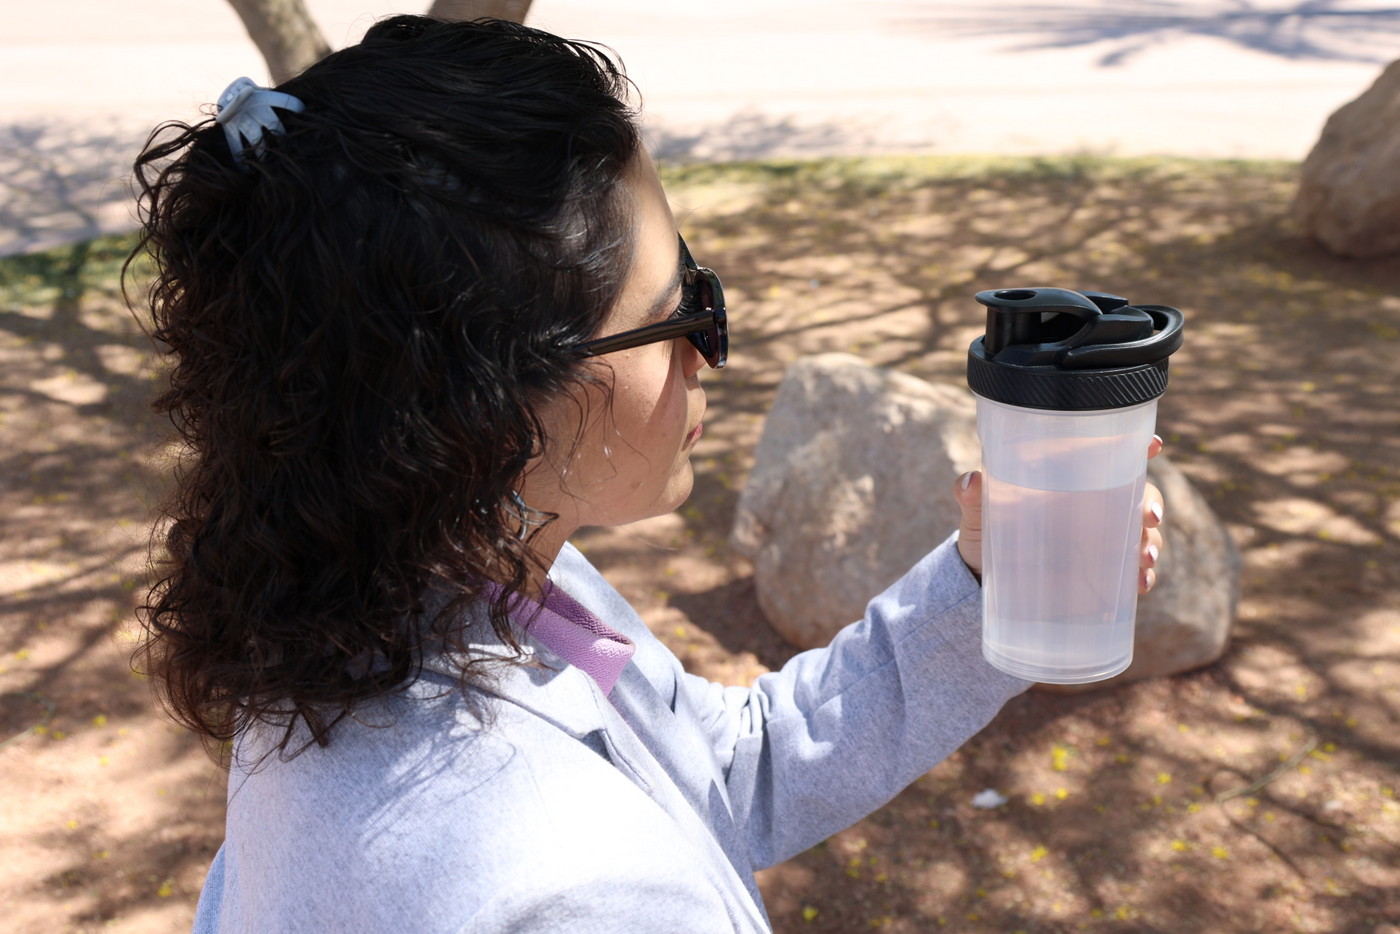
[67, 272]
[882, 174]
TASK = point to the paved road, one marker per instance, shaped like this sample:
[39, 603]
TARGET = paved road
[83, 81]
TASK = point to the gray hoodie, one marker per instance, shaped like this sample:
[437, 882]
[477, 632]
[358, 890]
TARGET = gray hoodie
[646, 811]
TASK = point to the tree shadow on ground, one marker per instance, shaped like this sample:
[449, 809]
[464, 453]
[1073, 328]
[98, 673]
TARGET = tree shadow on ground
[81, 449]
[751, 135]
[1128, 805]
[1250, 796]
[61, 183]
[1314, 30]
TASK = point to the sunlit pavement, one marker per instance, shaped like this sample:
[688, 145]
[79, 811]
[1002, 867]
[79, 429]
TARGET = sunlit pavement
[82, 83]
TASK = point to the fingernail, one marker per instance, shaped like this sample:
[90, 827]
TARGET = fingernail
[1152, 553]
[1158, 439]
[1149, 578]
[966, 481]
[1156, 511]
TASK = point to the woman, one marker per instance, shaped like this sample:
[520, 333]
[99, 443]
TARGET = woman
[429, 315]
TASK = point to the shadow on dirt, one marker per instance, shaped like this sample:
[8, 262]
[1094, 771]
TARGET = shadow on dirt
[1125, 807]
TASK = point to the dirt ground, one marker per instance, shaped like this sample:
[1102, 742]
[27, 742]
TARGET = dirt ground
[1256, 795]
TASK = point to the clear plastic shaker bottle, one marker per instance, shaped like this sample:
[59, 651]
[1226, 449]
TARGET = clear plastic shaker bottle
[1067, 386]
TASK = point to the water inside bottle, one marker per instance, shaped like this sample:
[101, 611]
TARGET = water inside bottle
[1061, 586]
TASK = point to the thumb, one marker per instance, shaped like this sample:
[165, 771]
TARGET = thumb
[967, 490]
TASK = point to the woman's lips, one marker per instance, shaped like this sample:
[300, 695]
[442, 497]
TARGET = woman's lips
[695, 433]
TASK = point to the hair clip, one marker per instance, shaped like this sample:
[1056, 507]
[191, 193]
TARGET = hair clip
[245, 112]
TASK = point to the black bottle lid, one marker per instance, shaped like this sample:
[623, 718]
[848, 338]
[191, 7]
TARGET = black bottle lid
[1071, 351]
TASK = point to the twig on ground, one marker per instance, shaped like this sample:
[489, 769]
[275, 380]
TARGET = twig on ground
[1291, 762]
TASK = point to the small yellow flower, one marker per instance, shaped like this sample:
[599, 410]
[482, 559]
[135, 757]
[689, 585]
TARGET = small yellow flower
[1219, 852]
[1038, 854]
[99, 720]
[1059, 759]
[1164, 778]
[1180, 846]
[809, 913]
[165, 890]
[1038, 799]
[1062, 793]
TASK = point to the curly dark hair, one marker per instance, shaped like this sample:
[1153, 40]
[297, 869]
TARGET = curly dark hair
[361, 319]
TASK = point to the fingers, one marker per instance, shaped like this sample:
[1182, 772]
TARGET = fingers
[1151, 545]
[1152, 507]
[967, 490]
[1152, 513]
[1147, 560]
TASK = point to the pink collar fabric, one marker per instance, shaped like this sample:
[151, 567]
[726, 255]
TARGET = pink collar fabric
[583, 640]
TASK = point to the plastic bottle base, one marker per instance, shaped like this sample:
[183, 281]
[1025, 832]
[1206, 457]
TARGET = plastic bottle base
[1043, 675]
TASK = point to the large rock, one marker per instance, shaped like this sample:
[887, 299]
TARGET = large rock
[1349, 194]
[851, 486]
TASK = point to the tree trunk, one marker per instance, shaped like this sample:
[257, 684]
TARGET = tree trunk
[1349, 192]
[285, 34]
[462, 10]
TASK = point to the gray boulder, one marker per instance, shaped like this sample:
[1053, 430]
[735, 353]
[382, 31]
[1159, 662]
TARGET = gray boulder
[851, 486]
[1349, 192]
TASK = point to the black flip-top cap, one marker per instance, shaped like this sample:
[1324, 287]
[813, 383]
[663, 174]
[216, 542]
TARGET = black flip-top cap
[1071, 351]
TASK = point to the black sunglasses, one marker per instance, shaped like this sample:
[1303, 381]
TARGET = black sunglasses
[706, 329]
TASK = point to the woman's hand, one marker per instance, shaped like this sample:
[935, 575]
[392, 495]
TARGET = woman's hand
[967, 490]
